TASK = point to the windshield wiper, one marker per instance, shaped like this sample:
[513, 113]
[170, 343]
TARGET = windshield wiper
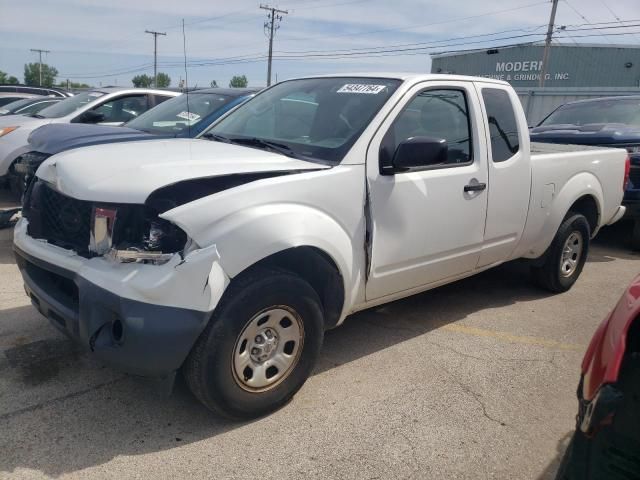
[216, 137]
[254, 142]
[36, 115]
[265, 144]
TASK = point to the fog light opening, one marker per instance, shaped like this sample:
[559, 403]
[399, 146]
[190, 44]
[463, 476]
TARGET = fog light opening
[117, 331]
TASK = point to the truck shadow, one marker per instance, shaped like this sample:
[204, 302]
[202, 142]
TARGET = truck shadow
[613, 242]
[98, 415]
[62, 413]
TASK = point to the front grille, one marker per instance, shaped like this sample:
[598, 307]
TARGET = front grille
[61, 220]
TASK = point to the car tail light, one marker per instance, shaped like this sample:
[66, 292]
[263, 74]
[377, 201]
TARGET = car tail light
[627, 170]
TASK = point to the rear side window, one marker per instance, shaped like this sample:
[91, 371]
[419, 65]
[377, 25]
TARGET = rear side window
[502, 124]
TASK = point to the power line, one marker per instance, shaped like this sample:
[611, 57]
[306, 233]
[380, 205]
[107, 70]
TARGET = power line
[271, 25]
[155, 54]
[613, 14]
[579, 14]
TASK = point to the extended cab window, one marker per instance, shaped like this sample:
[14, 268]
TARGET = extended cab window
[437, 114]
[502, 124]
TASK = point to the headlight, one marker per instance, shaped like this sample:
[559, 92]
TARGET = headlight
[5, 130]
[138, 256]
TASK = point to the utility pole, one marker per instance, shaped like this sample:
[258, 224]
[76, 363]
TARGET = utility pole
[547, 43]
[40, 52]
[155, 55]
[271, 25]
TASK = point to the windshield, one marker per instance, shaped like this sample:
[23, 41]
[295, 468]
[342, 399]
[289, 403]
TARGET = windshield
[15, 106]
[174, 117]
[70, 105]
[317, 118]
[625, 111]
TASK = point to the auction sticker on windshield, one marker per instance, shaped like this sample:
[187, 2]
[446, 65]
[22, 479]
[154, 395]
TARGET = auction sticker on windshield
[188, 116]
[361, 88]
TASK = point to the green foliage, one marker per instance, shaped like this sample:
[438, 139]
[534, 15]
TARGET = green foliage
[214, 84]
[69, 84]
[6, 79]
[143, 80]
[32, 74]
[239, 81]
[164, 80]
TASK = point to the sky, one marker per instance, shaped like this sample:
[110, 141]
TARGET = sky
[104, 43]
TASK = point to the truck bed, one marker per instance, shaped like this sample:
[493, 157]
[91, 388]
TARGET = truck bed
[553, 148]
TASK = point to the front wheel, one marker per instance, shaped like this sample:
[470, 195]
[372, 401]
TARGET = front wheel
[260, 346]
[563, 261]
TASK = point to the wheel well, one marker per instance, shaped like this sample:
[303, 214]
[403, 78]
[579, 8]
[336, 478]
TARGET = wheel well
[317, 268]
[587, 206]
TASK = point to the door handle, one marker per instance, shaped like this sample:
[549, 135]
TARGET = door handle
[475, 187]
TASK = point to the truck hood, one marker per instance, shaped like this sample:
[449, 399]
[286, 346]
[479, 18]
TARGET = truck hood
[58, 137]
[590, 134]
[130, 172]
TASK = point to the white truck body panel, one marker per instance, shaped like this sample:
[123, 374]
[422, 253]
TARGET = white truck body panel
[389, 235]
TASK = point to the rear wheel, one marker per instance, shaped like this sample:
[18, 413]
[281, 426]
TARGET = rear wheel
[260, 346]
[563, 261]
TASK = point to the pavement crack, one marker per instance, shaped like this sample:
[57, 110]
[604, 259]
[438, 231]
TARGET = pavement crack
[495, 357]
[476, 396]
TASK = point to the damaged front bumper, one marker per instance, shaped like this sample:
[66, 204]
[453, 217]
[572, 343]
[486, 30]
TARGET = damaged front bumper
[141, 319]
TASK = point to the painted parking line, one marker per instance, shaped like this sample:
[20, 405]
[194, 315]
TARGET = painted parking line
[507, 337]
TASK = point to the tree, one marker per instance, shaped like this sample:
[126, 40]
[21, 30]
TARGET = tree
[70, 84]
[32, 74]
[164, 80]
[143, 80]
[239, 81]
[214, 84]
[7, 79]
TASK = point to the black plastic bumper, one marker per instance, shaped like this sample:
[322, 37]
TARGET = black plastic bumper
[132, 336]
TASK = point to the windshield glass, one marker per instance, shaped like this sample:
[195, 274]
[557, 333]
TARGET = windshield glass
[15, 106]
[316, 118]
[70, 105]
[173, 117]
[625, 111]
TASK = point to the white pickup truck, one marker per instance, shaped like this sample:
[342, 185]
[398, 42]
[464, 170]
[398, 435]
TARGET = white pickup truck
[229, 256]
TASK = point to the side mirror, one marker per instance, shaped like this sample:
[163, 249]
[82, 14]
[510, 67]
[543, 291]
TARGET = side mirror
[92, 116]
[419, 153]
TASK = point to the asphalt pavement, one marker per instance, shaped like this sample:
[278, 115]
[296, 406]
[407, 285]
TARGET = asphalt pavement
[472, 380]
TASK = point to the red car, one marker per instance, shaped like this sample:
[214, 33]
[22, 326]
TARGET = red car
[606, 444]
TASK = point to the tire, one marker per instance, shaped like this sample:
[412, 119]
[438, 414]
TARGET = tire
[213, 370]
[16, 184]
[552, 273]
[635, 235]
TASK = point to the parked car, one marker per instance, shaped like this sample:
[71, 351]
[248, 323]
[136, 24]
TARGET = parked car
[7, 98]
[106, 106]
[28, 106]
[32, 90]
[606, 443]
[182, 116]
[319, 197]
[609, 122]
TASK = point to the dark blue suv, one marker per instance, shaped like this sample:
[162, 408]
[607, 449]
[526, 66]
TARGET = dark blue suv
[605, 122]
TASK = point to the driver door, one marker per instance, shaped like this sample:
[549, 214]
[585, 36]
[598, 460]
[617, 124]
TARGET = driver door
[426, 226]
